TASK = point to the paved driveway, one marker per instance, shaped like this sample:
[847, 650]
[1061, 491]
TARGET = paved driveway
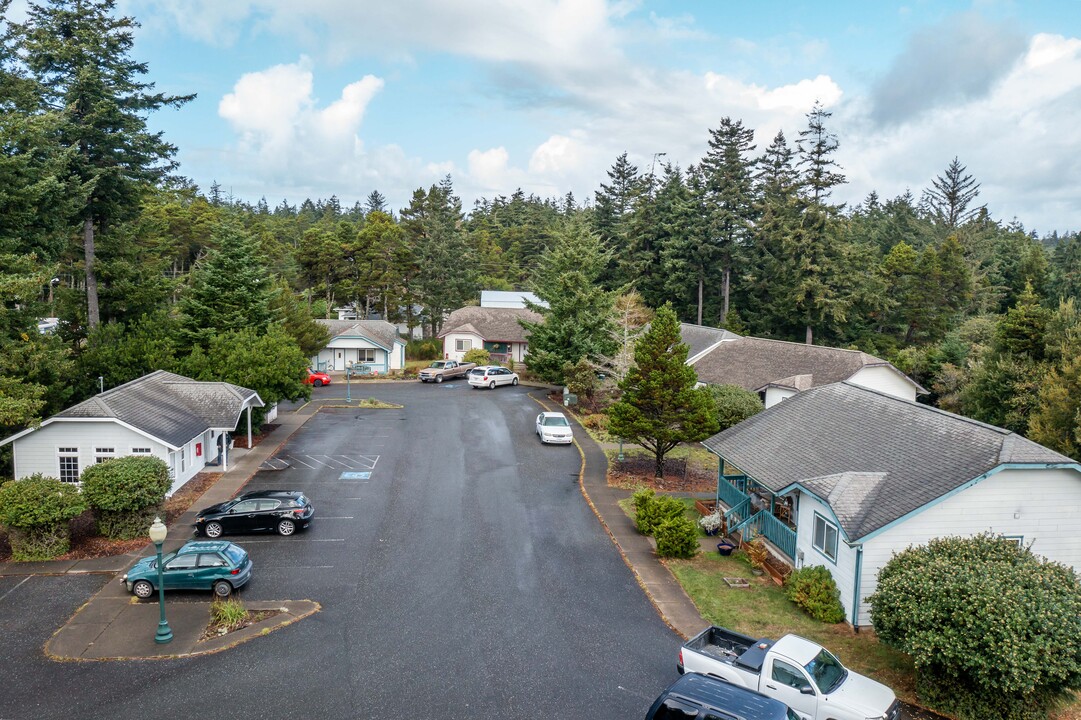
[464, 577]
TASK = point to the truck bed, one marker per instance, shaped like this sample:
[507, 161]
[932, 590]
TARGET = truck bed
[730, 647]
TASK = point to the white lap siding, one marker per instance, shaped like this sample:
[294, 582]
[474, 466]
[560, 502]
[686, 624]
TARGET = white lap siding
[1037, 506]
[38, 452]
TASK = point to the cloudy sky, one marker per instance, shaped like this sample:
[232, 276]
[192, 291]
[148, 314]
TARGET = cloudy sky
[342, 97]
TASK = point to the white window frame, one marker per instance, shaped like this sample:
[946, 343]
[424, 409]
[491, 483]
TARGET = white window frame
[101, 454]
[366, 355]
[142, 451]
[463, 344]
[823, 546]
[67, 453]
[182, 457]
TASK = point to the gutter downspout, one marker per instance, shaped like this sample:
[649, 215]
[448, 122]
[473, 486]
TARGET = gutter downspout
[249, 427]
[856, 589]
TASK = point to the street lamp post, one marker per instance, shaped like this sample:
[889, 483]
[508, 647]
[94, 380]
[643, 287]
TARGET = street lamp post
[348, 389]
[158, 531]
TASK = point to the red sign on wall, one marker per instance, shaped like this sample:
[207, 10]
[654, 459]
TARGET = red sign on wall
[198, 449]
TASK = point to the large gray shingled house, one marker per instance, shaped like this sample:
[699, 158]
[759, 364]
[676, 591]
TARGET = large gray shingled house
[844, 476]
[495, 329]
[184, 422]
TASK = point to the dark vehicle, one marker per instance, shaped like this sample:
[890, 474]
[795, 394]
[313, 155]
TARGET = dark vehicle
[199, 565]
[282, 511]
[704, 697]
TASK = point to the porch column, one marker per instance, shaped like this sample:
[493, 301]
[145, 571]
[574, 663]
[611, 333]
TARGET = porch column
[249, 427]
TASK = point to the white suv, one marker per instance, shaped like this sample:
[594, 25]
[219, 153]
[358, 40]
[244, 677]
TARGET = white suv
[491, 375]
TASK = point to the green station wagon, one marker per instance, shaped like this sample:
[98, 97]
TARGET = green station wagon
[199, 565]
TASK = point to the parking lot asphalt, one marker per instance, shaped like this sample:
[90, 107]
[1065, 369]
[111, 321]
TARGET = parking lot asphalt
[495, 576]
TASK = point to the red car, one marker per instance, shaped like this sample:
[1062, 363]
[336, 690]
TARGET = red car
[317, 378]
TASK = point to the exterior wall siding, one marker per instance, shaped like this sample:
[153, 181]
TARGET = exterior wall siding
[775, 395]
[342, 351]
[844, 569]
[451, 341]
[886, 380]
[1045, 500]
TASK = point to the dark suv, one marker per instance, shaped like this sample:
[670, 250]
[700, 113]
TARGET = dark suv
[281, 511]
[707, 698]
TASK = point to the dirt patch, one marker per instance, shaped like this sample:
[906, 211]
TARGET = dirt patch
[241, 439]
[86, 545]
[679, 476]
[214, 629]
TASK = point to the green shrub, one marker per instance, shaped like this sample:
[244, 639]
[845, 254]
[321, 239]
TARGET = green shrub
[814, 590]
[37, 511]
[651, 510]
[991, 628]
[126, 493]
[677, 537]
[480, 356]
[229, 613]
[430, 349]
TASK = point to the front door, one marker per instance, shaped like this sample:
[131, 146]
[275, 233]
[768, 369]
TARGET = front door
[339, 360]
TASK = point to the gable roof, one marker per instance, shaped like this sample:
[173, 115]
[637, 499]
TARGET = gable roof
[753, 363]
[165, 406]
[699, 338]
[379, 332]
[871, 456]
[491, 323]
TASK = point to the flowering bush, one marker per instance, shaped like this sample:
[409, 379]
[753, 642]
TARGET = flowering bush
[710, 523]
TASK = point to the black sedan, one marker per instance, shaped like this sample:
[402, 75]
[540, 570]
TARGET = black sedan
[281, 511]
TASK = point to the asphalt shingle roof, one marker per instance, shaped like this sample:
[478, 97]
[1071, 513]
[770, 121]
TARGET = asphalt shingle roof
[492, 324]
[874, 457]
[170, 407]
[378, 331]
[699, 338]
[752, 363]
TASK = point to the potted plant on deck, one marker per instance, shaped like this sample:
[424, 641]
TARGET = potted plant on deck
[711, 523]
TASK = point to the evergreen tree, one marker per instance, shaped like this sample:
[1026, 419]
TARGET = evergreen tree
[690, 256]
[660, 407]
[819, 172]
[375, 202]
[729, 197]
[948, 199]
[79, 54]
[612, 208]
[296, 319]
[577, 323]
[230, 289]
[444, 276]
[1065, 270]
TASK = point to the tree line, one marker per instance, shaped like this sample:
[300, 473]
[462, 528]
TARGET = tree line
[146, 271]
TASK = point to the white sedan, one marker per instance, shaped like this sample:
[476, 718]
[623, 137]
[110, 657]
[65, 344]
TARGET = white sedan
[553, 427]
[491, 375]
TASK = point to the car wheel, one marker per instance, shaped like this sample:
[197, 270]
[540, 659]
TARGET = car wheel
[286, 527]
[491, 385]
[514, 381]
[142, 589]
[318, 383]
[213, 529]
[439, 378]
[222, 588]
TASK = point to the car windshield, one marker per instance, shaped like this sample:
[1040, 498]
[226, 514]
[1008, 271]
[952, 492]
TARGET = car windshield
[477, 371]
[827, 671]
[299, 501]
[557, 420]
[236, 554]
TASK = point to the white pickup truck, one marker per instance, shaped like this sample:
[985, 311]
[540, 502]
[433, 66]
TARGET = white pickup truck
[803, 675]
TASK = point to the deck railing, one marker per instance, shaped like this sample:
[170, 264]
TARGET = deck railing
[729, 494]
[765, 524]
[738, 514]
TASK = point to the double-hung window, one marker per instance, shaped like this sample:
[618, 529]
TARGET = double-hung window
[825, 537]
[69, 464]
[102, 454]
[462, 344]
[366, 355]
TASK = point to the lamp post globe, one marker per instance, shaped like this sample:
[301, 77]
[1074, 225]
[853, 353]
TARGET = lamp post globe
[158, 533]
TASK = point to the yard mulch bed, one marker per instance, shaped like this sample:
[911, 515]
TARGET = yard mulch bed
[85, 545]
[240, 440]
[637, 472]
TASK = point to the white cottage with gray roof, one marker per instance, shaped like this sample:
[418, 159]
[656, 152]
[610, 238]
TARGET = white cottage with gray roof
[495, 329]
[184, 422]
[844, 476]
[374, 343]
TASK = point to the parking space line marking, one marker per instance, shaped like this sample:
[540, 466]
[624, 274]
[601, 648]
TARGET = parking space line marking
[327, 540]
[314, 460]
[294, 567]
[302, 463]
[17, 586]
[336, 517]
